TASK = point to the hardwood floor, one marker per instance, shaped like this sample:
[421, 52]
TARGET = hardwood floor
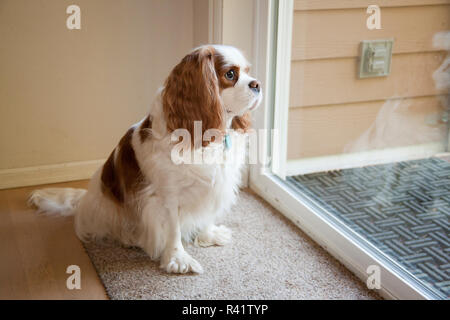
[36, 250]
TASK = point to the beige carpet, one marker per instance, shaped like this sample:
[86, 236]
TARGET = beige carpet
[269, 258]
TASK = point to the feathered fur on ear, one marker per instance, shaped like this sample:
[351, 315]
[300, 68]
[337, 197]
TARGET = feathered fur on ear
[242, 123]
[191, 93]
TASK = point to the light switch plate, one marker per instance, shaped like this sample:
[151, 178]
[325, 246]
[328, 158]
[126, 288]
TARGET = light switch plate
[375, 59]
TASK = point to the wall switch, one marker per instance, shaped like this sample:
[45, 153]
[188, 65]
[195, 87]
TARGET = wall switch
[375, 59]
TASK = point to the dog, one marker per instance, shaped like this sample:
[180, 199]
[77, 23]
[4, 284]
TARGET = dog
[141, 197]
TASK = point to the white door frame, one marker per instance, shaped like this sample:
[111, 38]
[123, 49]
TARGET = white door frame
[215, 21]
[345, 245]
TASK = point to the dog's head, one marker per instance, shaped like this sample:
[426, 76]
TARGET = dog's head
[212, 85]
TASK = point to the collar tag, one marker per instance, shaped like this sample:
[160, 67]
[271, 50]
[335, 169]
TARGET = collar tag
[227, 141]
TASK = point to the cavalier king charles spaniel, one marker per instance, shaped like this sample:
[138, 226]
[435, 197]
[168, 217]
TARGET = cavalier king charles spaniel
[141, 196]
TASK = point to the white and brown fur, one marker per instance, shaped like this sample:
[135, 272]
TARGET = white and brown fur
[140, 197]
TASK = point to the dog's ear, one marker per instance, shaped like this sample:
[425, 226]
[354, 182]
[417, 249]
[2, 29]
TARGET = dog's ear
[242, 123]
[191, 93]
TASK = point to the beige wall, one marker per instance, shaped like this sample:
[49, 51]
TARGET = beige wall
[201, 22]
[332, 111]
[69, 95]
[238, 24]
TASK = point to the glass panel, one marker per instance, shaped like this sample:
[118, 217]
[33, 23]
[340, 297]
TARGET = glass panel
[373, 149]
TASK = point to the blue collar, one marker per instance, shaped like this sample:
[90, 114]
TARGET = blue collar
[227, 141]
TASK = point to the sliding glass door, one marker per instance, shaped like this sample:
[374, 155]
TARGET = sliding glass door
[357, 128]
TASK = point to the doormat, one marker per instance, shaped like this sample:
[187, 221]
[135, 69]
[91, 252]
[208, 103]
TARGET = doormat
[402, 208]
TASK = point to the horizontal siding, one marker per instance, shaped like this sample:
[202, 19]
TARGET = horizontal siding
[328, 130]
[335, 81]
[346, 4]
[338, 33]
[332, 111]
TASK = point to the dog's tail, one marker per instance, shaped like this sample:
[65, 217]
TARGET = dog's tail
[57, 201]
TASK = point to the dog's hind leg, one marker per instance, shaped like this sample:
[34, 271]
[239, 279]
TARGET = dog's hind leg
[213, 235]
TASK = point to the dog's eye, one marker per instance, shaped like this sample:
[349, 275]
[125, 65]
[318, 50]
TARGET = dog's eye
[230, 75]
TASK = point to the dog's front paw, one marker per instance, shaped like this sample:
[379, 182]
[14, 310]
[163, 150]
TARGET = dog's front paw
[213, 235]
[179, 261]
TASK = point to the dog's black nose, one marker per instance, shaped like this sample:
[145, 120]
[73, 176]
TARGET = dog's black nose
[255, 86]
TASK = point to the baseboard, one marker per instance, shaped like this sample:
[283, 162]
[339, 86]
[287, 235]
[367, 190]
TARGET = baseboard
[30, 176]
[360, 159]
